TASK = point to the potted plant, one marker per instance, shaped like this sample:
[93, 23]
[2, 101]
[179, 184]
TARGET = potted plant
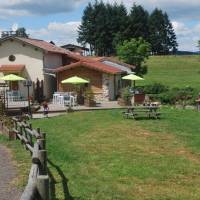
[125, 97]
[89, 98]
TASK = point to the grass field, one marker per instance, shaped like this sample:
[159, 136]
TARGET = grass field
[174, 71]
[100, 155]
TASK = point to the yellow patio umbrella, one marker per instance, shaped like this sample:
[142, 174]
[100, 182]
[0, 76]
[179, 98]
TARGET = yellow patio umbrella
[133, 78]
[11, 77]
[75, 80]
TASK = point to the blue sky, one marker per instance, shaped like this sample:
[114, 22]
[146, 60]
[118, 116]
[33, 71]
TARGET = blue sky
[57, 20]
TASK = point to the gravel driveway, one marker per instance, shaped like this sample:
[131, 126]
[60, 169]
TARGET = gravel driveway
[7, 175]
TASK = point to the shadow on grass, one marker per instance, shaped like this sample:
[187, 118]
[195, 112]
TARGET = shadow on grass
[67, 195]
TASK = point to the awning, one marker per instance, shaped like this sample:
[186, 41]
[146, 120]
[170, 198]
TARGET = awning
[12, 68]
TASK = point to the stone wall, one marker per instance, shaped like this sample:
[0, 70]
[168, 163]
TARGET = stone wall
[105, 87]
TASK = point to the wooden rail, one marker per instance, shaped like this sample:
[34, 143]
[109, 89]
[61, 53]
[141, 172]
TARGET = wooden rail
[35, 142]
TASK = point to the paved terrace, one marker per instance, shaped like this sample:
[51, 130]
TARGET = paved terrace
[55, 110]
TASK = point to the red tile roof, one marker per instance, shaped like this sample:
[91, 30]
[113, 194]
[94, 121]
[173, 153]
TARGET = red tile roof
[48, 47]
[92, 65]
[111, 59]
[102, 67]
[12, 68]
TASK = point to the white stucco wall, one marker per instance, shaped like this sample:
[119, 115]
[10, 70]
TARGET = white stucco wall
[30, 56]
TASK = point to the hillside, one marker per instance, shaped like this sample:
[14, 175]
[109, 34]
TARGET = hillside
[174, 71]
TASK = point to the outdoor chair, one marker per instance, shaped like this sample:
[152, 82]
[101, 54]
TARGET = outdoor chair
[69, 100]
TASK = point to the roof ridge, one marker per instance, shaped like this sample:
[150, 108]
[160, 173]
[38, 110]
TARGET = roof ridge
[30, 38]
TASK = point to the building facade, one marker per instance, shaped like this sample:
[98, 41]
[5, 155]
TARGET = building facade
[37, 60]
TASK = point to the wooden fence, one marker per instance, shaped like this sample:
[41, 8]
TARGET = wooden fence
[35, 142]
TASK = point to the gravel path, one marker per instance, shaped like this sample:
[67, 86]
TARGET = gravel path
[7, 175]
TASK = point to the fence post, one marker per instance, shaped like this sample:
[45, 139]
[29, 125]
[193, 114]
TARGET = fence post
[43, 186]
[42, 155]
[42, 144]
[12, 135]
[38, 130]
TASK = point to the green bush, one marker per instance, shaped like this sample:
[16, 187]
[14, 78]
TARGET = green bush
[155, 88]
[183, 96]
[125, 94]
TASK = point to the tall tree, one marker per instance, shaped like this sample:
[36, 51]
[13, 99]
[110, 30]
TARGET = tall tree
[102, 27]
[119, 25]
[162, 36]
[87, 28]
[134, 52]
[157, 31]
[138, 23]
[171, 36]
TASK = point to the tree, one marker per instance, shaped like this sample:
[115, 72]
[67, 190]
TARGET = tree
[138, 23]
[102, 27]
[171, 36]
[87, 28]
[21, 32]
[135, 52]
[162, 36]
[119, 25]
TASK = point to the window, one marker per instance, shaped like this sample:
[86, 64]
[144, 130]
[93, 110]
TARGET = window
[11, 58]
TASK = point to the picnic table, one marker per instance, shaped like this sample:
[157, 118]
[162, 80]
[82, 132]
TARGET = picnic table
[149, 111]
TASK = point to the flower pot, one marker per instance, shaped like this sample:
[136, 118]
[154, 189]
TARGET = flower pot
[123, 102]
[90, 103]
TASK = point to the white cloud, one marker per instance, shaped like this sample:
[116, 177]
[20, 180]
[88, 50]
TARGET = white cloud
[183, 9]
[187, 36]
[60, 33]
[181, 29]
[35, 7]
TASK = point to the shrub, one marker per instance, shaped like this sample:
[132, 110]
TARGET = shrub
[183, 96]
[89, 95]
[125, 94]
[155, 88]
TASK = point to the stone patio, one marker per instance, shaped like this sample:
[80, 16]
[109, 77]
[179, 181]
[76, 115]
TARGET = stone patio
[55, 110]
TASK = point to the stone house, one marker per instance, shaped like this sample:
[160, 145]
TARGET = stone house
[104, 75]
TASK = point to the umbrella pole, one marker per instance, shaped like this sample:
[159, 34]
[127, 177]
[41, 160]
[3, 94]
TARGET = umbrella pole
[134, 92]
[7, 98]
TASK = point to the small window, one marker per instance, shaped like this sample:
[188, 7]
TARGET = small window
[11, 58]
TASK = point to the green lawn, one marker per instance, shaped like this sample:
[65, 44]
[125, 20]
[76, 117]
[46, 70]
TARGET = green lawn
[99, 155]
[175, 71]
